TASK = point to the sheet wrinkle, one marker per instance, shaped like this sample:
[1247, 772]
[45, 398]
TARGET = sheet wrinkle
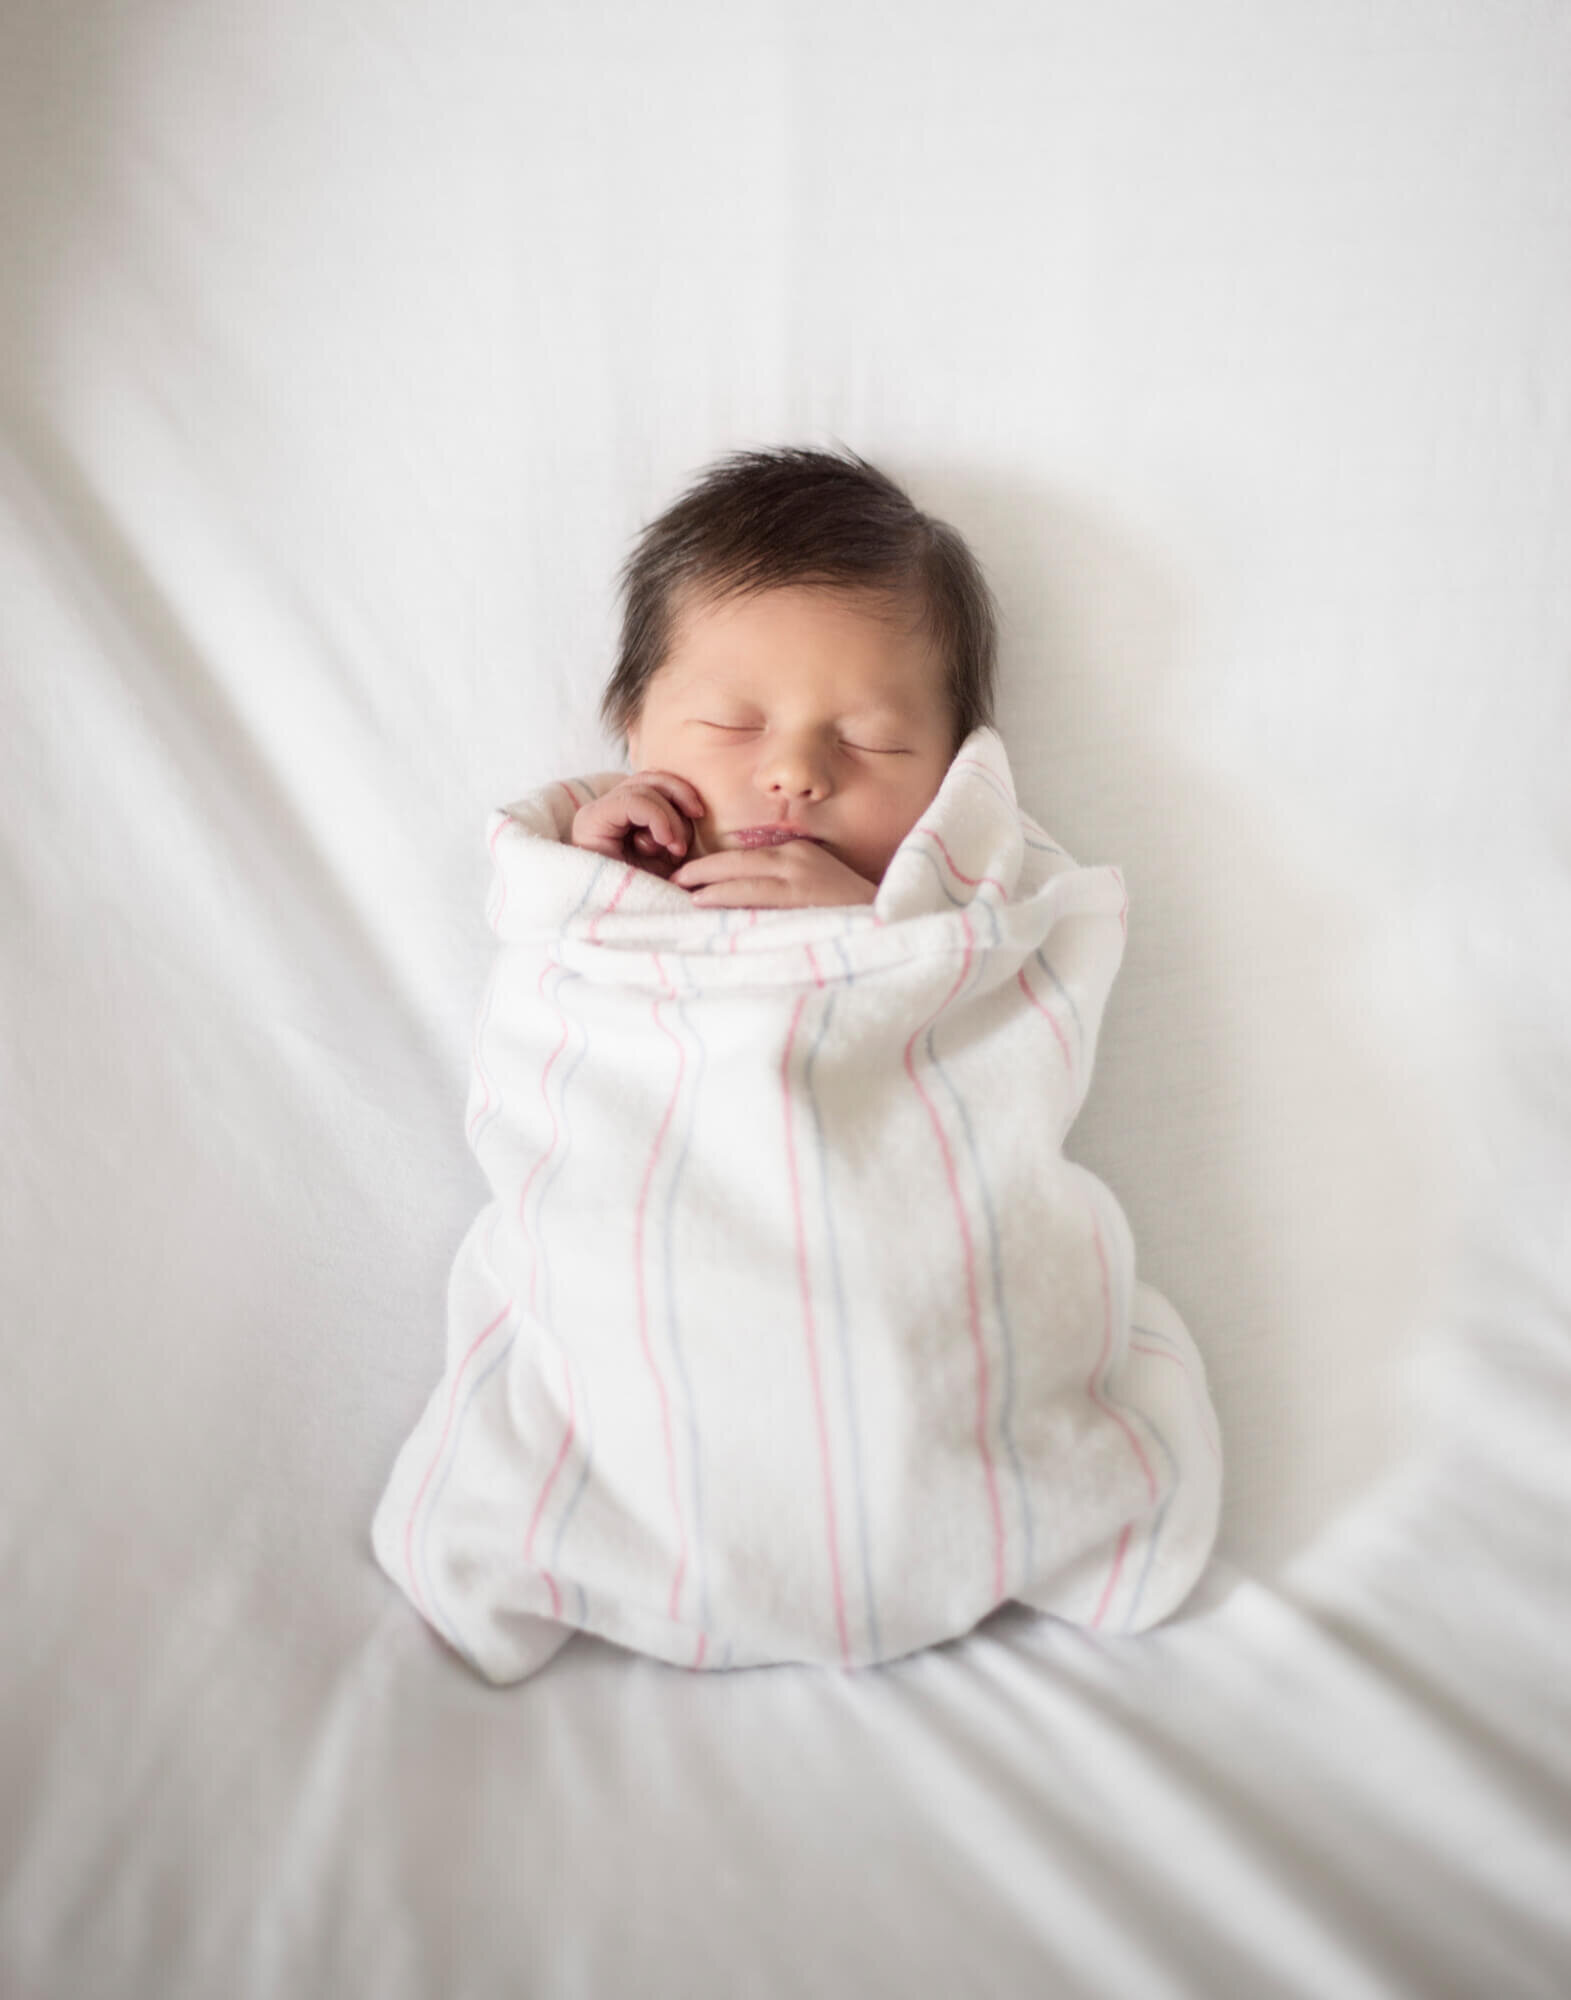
[478, 302]
[308, 1851]
[996, 1783]
[149, 1727]
[1211, 1816]
[197, 727]
[1487, 1749]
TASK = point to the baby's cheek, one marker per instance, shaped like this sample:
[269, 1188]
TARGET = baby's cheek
[895, 829]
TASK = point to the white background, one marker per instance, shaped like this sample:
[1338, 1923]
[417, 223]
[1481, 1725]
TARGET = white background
[342, 350]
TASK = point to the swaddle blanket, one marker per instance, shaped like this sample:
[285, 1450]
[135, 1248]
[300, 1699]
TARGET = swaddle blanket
[789, 1333]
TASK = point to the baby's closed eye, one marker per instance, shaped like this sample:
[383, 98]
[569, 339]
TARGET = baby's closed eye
[872, 744]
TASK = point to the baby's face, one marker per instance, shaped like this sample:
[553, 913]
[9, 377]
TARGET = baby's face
[800, 713]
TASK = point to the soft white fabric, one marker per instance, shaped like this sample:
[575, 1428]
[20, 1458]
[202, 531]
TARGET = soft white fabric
[789, 1333]
[344, 344]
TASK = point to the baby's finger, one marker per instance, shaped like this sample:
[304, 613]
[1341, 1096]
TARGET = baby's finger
[684, 796]
[743, 892]
[727, 865]
[650, 811]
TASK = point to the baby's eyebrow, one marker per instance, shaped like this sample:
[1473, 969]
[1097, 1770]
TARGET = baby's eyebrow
[889, 713]
[708, 687]
[880, 711]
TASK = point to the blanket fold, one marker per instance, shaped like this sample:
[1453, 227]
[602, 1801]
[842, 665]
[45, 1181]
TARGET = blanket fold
[789, 1333]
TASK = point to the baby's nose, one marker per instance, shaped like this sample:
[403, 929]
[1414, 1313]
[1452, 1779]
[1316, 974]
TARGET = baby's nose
[796, 770]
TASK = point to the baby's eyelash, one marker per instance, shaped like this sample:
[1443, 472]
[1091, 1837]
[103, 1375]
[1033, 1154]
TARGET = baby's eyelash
[752, 728]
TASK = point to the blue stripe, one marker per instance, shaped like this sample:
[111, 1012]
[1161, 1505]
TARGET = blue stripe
[841, 1330]
[554, 1171]
[1064, 993]
[594, 876]
[1029, 828]
[1130, 1411]
[565, 1144]
[925, 854]
[433, 1595]
[487, 1117]
[1001, 1310]
[1161, 1515]
[585, 1465]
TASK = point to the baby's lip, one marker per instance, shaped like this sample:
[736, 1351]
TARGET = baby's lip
[768, 836]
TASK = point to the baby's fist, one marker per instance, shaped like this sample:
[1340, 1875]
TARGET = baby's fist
[646, 820]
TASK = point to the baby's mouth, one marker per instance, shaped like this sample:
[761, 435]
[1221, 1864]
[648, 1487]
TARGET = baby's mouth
[769, 836]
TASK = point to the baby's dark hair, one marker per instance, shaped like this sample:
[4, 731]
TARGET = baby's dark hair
[757, 520]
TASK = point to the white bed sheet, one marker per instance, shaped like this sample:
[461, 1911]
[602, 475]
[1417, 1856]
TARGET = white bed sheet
[341, 350]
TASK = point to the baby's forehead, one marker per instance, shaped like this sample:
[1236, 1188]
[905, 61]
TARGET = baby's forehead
[874, 641]
[750, 681]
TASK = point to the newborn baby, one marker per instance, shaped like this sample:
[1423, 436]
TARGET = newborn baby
[789, 1333]
[787, 744]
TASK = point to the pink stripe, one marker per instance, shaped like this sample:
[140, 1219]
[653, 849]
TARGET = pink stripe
[495, 918]
[702, 1648]
[566, 787]
[545, 1492]
[1107, 1409]
[545, 1099]
[1112, 1581]
[642, 1299]
[436, 1457]
[811, 1334]
[1178, 1361]
[1046, 1015]
[812, 959]
[1092, 1390]
[484, 1112]
[752, 919]
[621, 891]
[971, 881]
[973, 1310]
[975, 764]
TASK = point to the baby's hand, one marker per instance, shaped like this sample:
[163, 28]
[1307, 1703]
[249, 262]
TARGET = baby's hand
[798, 875]
[646, 820]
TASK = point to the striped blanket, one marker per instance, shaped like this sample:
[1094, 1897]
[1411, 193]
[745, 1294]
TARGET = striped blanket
[788, 1332]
